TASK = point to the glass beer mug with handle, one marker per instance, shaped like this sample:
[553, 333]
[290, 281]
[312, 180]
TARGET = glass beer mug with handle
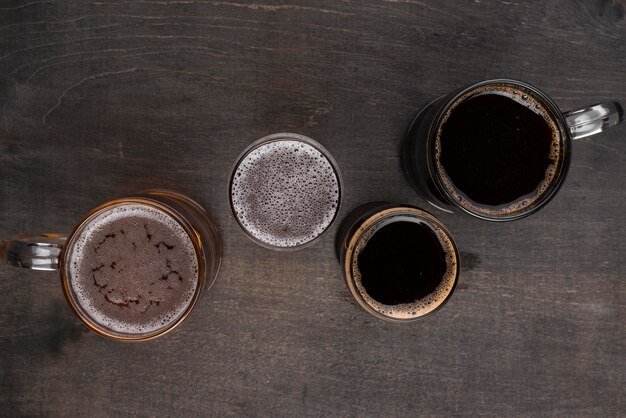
[498, 150]
[133, 268]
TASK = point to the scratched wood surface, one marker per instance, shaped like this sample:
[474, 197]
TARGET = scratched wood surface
[104, 98]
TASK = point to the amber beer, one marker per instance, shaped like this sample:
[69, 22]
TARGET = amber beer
[133, 268]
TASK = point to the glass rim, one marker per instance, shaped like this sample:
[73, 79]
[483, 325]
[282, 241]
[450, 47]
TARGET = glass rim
[68, 291]
[550, 106]
[374, 217]
[286, 136]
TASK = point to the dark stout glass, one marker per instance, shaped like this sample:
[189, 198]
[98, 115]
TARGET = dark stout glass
[399, 262]
[497, 150]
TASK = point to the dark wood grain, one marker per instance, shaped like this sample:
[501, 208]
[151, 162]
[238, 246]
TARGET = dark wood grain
[104, 98]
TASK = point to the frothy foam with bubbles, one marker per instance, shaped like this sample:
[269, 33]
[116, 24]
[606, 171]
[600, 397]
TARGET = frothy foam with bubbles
[132, 269]
[285, 193]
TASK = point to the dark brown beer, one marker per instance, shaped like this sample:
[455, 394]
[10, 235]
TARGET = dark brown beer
[497, 150]
[399, 262]
[402, 262]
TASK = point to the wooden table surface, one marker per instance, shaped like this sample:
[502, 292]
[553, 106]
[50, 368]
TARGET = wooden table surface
[101, 99]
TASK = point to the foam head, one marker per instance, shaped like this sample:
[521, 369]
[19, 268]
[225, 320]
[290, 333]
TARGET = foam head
[285, 193]
[132, 269]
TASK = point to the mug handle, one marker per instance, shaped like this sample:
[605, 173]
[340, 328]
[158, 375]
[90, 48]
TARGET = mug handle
[593, 119]
[35, 252]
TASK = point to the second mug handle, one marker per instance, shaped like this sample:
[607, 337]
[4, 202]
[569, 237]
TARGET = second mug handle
[35, 252]
[593, 119]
